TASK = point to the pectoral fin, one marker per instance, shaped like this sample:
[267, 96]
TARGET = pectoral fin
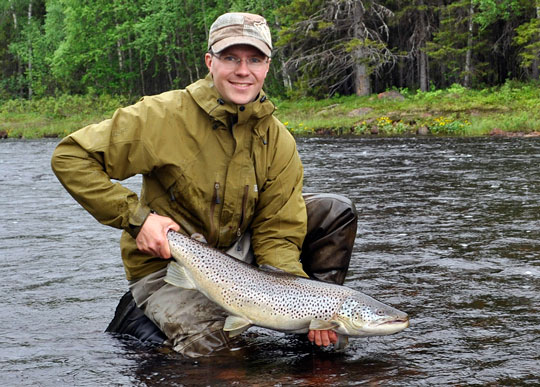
[177, 276]
[235, 325]
[322, 325]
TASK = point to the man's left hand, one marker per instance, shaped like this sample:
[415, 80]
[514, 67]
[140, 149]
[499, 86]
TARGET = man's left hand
[324, 338]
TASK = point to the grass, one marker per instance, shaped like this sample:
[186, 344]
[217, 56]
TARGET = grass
[55, 117]
[513, 107]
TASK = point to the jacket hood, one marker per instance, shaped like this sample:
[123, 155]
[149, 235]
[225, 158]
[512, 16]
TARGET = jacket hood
[207, 97]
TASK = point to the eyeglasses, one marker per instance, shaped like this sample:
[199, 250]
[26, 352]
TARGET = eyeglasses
[231, 61]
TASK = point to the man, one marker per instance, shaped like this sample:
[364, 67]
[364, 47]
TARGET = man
[216, 165]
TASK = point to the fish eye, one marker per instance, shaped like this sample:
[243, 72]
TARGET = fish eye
[379, 312]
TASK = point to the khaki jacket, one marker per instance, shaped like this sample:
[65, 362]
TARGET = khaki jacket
[215, 168]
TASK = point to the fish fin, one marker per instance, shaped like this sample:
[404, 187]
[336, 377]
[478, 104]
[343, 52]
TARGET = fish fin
[177, 276]
[342, 342]
[322, 325]
[235, 325]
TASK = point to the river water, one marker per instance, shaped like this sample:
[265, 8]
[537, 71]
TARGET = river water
[449, 231]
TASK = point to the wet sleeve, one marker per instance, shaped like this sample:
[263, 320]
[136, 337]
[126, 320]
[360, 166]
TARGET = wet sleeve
[280, 222]
[87, 161]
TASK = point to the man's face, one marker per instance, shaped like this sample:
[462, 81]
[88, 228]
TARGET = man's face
[238, 83]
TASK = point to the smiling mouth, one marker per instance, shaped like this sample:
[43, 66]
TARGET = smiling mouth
[238, 84]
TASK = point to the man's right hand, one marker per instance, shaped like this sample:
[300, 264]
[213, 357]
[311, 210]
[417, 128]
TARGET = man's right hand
[152, 239]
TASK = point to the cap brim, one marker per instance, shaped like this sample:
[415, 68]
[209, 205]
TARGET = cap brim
[236, 40]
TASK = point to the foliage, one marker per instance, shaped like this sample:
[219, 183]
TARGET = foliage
[490, 11]
[448, 125]
[55, 116]
[527, 37]
[453, 111]
[324, 47]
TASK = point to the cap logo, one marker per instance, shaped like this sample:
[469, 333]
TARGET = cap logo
[263, 30]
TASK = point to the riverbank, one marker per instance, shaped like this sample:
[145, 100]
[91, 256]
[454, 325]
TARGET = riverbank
[511, 109]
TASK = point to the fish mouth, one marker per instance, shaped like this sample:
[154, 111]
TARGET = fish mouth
[383, 328]
[391, 326]
[398, 321]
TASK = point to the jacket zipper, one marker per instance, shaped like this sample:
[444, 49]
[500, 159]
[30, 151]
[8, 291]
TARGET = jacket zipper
[242, 214]
[215, 201]
[216, 193]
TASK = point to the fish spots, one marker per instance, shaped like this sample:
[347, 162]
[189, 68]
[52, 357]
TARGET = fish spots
[357, 310]
[269, 299]
[281, 295]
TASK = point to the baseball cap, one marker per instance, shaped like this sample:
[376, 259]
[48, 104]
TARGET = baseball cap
[240, 28]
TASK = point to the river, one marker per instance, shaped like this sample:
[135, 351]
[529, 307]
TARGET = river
[449, 231]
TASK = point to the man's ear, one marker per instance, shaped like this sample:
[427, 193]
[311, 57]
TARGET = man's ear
[208, 58]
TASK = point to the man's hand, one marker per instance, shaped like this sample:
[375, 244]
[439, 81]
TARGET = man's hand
[324, 338]
[152, 239]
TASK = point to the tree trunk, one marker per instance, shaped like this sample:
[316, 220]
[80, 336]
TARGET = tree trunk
[195, 64]
[423, 71]
[169, 67]
[468, 56]
[29, 66]
[362, 84]
[206, 29]
[13, 15]
[141, 75]
[287, 82]
[130, 63]
[536, 61]
[423, 68]
[17, 57]
[361, 74]
[120, 55]
[285, 76]
[175, 55]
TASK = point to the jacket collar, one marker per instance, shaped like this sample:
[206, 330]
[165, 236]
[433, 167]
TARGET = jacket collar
[207, 97]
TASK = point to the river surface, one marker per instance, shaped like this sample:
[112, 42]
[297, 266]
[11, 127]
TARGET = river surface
[449, 231]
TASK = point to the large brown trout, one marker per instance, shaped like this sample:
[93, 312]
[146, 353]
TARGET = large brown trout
[275, 299]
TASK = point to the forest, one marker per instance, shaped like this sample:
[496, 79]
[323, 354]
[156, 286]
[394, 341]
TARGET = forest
[322, 48]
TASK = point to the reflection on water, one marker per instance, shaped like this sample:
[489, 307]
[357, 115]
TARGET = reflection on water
[266, 358]
[449, 232]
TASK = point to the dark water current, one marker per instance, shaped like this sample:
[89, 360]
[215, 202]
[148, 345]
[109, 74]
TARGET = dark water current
[449, 231]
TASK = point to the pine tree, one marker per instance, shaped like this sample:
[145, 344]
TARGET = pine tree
[334, 46]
